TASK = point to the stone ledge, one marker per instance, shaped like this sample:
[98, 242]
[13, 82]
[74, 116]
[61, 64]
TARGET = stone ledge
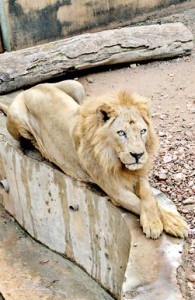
[30, 271]
[73, 220]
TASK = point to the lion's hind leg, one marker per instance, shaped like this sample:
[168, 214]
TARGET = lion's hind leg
[3, 108]
[173, 224]
[18, 128]
[73, 88]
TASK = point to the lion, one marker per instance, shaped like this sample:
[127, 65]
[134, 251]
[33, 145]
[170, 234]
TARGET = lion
[108, 140]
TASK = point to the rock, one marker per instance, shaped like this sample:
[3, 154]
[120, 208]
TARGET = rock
[179, 198]
[90, 80]
[155, 114]
[191, 251]
[192, 96]
[173, 195]
[191, 193]
[133, 66]
[190, 200]
[190, 207]
[191, 233]
[171, 75]
[161, 176]
[185, 211]
[178, 177]
[167, 158]
[161, 133]
[191, 277]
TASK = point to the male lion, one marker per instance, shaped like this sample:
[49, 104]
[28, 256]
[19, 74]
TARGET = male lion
[109, 140]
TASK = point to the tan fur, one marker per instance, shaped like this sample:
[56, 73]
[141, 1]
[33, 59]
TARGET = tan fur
[4, 108]
[108, 140]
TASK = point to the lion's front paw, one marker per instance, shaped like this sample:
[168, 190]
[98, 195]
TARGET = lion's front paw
[151, 223]
[174, 224]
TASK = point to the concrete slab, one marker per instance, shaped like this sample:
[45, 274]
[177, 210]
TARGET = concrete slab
[31, 271]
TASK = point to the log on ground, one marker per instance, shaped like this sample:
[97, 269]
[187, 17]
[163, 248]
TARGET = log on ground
[131, 44]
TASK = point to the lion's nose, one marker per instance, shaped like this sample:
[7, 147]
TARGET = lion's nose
[137, 155]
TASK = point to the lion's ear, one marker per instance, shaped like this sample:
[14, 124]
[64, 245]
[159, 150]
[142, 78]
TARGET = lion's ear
[105, 112]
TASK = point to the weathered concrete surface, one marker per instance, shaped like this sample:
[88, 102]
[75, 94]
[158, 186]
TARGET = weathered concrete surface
[152, 267]
[31, 271]
[105, 240]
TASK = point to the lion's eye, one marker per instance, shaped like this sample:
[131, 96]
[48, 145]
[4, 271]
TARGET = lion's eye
[121, 133]
[143, 131]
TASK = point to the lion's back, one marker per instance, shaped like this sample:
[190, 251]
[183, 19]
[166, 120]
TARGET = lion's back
[47, 99]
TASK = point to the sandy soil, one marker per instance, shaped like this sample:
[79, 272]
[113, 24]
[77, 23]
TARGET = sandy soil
[171, 86]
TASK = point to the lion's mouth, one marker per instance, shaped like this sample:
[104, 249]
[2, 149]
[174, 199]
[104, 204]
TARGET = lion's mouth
[133, 166]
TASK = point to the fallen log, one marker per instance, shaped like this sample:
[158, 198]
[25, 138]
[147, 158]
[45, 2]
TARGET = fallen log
[131, 44]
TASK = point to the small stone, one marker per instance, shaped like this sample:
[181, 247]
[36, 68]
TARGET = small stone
[155, 114]
[172, 75]
[190, 200]
[164, 96]
[44, 261]
[191, 193]
[178, 177]
[191, 233]
[167, 158]
[161, 133]
[192, 96]
[186, 58]
[190, 208]
[191, 277]
[173, 195]
[162, 176]
[90, 80]
[133, 66]
[191, 183]
[192, 250]
[185, 211]
[179, 198]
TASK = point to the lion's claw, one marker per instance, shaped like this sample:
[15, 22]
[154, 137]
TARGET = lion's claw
[152, 225]
[174, 224]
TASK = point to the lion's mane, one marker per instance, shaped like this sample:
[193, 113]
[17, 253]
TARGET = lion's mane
[91, 138]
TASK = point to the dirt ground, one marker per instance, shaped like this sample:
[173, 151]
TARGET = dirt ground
[170, 84]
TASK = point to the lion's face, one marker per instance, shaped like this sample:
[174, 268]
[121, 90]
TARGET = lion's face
[126, 133]
[129, 134]
[116, 130]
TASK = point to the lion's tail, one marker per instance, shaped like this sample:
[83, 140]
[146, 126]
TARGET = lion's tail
[3, 108]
